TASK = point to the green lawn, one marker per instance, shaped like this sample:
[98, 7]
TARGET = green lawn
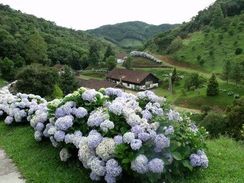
[39, 162]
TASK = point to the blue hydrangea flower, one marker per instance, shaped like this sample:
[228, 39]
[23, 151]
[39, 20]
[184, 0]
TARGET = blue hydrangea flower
[113, 168]
[169, 130]
[59, 136]
[144, 136]
[94, 140]
[64, 123]
[39, 127]
[89, 95]
[106, 125]
[8, 120]
[140, 164]
[156, 165]
[97, 117]
[161, 142]
[199, 160]
[136, 144]
[137, 129]
[113, 92]
[109, 179]
[79, 112]
[146, 114]
[94, 176]
[118, 139]
[128, 137]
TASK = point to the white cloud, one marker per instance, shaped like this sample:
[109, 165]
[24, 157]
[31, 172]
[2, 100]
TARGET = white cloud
[87, 14]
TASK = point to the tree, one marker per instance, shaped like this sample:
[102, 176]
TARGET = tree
[174, 76]
[217, 16]
[109, 52]
[213, 86]
[227, 70]
[236, 73]
[193, 81]
[67, 80]
[235, 118]
[37, 79]
[128, 63]
[111, 62]
[94, 57]
[7, 69]
[36, 50]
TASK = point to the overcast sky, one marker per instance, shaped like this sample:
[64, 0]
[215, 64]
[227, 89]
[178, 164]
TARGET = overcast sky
[88, 14]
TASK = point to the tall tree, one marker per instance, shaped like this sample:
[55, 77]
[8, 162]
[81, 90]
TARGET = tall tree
[36, 49]
[67, 80]
[111, 63]
[213, 86]
[236, 73]
[7, 69]
[128, 63]
[227, 70]
[217, 16]
[94, 56]
[109, 52]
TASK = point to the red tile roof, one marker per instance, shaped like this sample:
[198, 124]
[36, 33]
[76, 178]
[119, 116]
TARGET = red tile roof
[95, 84]
[128, 75]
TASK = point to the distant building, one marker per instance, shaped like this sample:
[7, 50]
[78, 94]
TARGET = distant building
[136, 80]
[121, 57]
[95, 84]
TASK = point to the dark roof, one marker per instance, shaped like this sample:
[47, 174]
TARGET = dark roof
[128, 75]
[95, 84]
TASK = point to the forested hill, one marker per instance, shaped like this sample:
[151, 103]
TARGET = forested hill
[26, 39]
[129, 34]
[213, 37]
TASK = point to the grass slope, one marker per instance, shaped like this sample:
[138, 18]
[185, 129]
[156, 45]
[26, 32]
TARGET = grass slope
[39, 162]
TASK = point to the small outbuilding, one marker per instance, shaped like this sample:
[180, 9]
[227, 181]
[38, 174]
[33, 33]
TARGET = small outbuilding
[136, 80]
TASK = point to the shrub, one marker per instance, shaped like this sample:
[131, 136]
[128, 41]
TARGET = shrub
[238, 51]
[7, 69]
[117, 135]
[235, 118]
[57, 92]
[37, 79]
[214, 123]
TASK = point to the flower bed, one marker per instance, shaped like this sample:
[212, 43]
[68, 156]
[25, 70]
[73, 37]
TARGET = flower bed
[116, 135]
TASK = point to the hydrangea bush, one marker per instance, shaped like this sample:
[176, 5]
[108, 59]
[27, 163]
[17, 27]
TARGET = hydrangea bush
[116, 135]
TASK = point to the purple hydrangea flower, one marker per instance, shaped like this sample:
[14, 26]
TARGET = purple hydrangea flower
[146, 114]
[169, 130]
[94, 177]
[156, 165]
[110, 179]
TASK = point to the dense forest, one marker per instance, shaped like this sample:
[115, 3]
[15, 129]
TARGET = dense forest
[26, 39]
[130, 34]
[210, 39]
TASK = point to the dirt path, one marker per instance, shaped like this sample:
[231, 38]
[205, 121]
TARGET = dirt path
[8, 171]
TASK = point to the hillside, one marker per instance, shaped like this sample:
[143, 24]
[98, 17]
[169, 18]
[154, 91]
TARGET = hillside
[212, 37]
[23, 36]
[129, 34]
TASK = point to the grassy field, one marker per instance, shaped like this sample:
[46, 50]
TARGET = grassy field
[89, 74]
[194, 99]
[39, 162]
[213, 48]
